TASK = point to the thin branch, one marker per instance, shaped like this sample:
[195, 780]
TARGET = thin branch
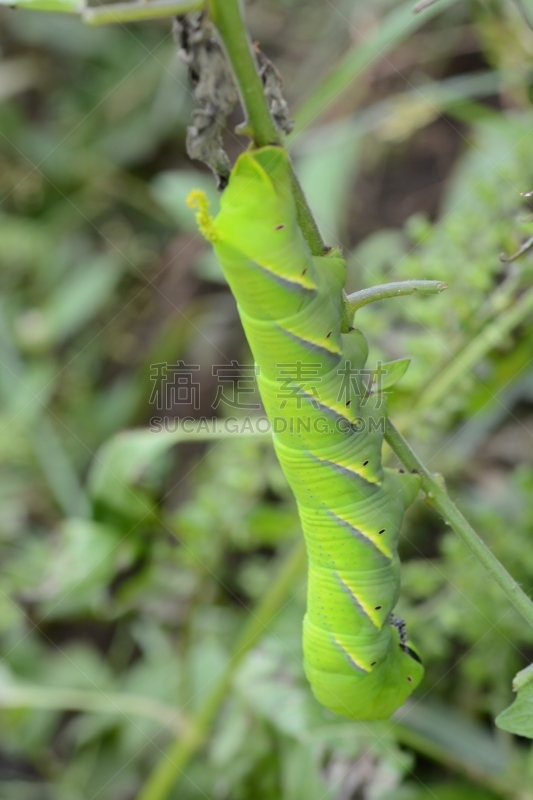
[138, 11]
[396, 289]
[521, 250]
[32, 696]
[227, 19]
[438, 497]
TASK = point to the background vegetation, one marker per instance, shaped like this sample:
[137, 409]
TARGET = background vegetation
[131, 565]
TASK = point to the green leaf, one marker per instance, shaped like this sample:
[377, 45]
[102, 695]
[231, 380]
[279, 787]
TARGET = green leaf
[386, 375]
[64, 6]
[79, 297]
[518, 718]
[81, 563]
[121, 467]
[301, 774]
[123, 474]
[523, 678]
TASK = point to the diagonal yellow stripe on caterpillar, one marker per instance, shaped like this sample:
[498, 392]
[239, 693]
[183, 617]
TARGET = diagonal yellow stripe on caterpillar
[362, 605]
[352, 660]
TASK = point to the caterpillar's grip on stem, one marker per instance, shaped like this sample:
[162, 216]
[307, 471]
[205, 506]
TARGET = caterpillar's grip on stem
[328, 435]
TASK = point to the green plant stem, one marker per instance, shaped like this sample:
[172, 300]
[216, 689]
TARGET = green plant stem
[438, 497]
[227, 18]
[395, 289]
[138, 11]
[180, 752]
[259, 126]
[306, 221]
[32, 696]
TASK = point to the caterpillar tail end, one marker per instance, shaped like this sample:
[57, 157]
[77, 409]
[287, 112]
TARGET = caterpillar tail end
[356, 683]
[369, 699]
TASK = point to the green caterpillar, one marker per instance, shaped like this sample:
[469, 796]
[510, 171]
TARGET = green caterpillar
[356, 656]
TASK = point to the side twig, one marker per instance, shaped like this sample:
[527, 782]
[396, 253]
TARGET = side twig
[137, 11]
[395, 289]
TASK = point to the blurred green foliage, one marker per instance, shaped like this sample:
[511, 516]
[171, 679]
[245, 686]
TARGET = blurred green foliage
[132, 561]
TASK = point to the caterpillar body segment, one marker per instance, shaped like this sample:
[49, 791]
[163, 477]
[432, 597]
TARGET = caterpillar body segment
[328, 436]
